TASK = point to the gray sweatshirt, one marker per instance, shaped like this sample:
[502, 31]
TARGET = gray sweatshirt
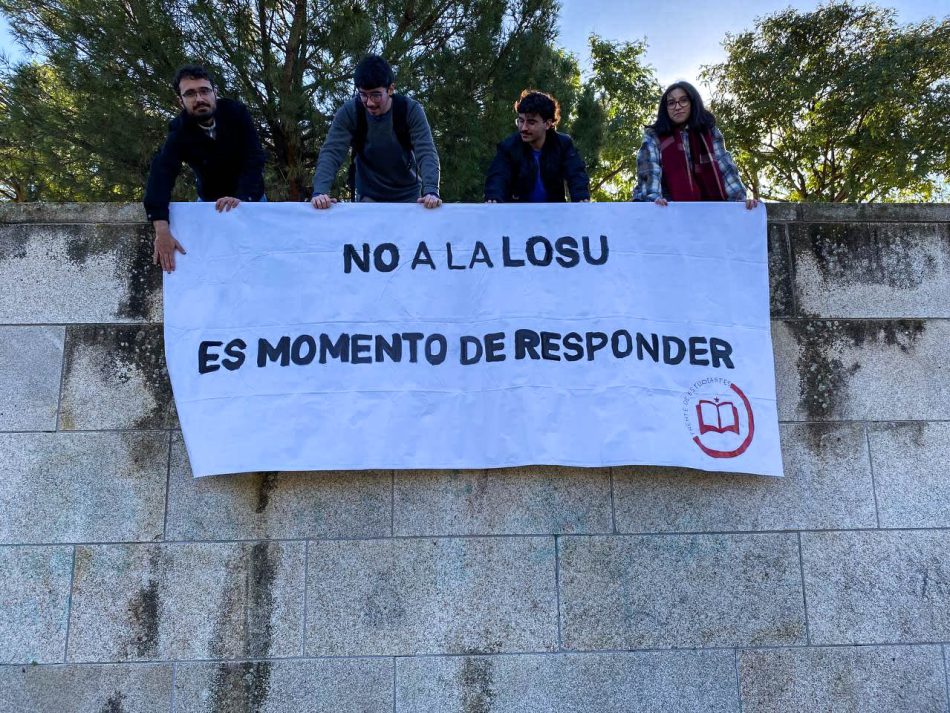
[385, 172]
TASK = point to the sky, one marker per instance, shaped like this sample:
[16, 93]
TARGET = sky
[680, 37]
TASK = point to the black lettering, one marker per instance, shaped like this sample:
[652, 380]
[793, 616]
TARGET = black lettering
[721, 351]
[669, 357]
[526, 342]
[506, 253]
[350, 256]
[304, 340]
[480, 255]
[653, 348]
[696, 350]
[266, 351]
[495, 346]
[413, 338]
[380, 259]
[567, 251]
[530, 251]
[205, 358]
[422, 257]
[340, 349]
[595, 342]
[360, 349]
[235, 350]
[465, 357]
[573, 344]
[604, 251]
[550, 346]
[615, 343]
[436, 357]
[448, 252]
[391, 349]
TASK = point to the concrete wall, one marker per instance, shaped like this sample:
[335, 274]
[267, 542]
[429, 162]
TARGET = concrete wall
[125, 585]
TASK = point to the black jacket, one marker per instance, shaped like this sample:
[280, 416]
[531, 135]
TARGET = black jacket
[513, 172]
[232, 164]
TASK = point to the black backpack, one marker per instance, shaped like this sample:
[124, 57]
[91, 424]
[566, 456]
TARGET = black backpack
[400, 111]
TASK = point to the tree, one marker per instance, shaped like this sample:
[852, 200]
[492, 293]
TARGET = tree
[838, 104]
[618, 100]
[291, 61]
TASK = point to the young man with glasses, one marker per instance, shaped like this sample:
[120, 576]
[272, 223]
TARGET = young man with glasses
[218, 139]
[534, 163]
[393, 157]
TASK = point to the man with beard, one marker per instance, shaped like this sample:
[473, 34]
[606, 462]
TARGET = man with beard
[217, 138]
[533, 164]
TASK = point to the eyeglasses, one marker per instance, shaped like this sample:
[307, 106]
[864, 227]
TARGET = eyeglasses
[203, 92]
[375, 97]
[519, 122]
[673, 103]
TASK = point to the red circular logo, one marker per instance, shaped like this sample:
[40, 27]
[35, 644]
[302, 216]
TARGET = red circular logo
[719, 417]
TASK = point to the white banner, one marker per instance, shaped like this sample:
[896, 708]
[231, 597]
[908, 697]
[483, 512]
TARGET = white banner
[378, 336]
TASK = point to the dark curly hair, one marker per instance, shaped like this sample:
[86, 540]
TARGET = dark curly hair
[544, 105]
[373, 71]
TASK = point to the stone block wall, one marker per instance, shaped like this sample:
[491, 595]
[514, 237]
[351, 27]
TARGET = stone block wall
[126, 585]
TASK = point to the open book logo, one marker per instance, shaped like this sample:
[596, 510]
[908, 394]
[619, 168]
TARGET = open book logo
[719, 417]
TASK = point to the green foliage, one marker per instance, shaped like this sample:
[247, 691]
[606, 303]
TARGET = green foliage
[618, 101]
[838, 104]
[291, 62]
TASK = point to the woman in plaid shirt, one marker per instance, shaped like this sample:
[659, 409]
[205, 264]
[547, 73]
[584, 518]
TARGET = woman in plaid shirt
[684, 157]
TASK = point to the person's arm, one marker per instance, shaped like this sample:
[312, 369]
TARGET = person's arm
[158, 191]
[423, 146]
[498, 177]
[332, 153]
[735, 191]
[574, 171]
[250, 185]
[649, 170]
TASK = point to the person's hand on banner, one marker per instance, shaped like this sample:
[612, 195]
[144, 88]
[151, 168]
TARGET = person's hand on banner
[751, 203]
[661, 201]
[165, 246]
[226, 203]
[430, 200]
[322, 201]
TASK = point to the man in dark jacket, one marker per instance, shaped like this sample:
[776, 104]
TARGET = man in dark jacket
[217, 138]
[533, 164]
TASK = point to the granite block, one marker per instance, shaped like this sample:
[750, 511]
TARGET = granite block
[655, 682]
[315, 686]
[831, 370]
[73, 273]
[827, 484]
[781, 302]
[874, 212]
[912, 473]
[426, 596]
[34, 595]
[187, 601]
[82, 487]
[640, 592]
[115, 377]
[531, 500]
[855, 270]
[866, 679]
[31, 365]
[879, 587]
[135, 688]
[66, 213]
[276, 505]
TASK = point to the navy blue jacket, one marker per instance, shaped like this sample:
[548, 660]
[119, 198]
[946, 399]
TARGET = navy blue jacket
[513, 172]
[232, 164]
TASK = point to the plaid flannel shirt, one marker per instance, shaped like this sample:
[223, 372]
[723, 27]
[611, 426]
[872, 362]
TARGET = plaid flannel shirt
[650, 172]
